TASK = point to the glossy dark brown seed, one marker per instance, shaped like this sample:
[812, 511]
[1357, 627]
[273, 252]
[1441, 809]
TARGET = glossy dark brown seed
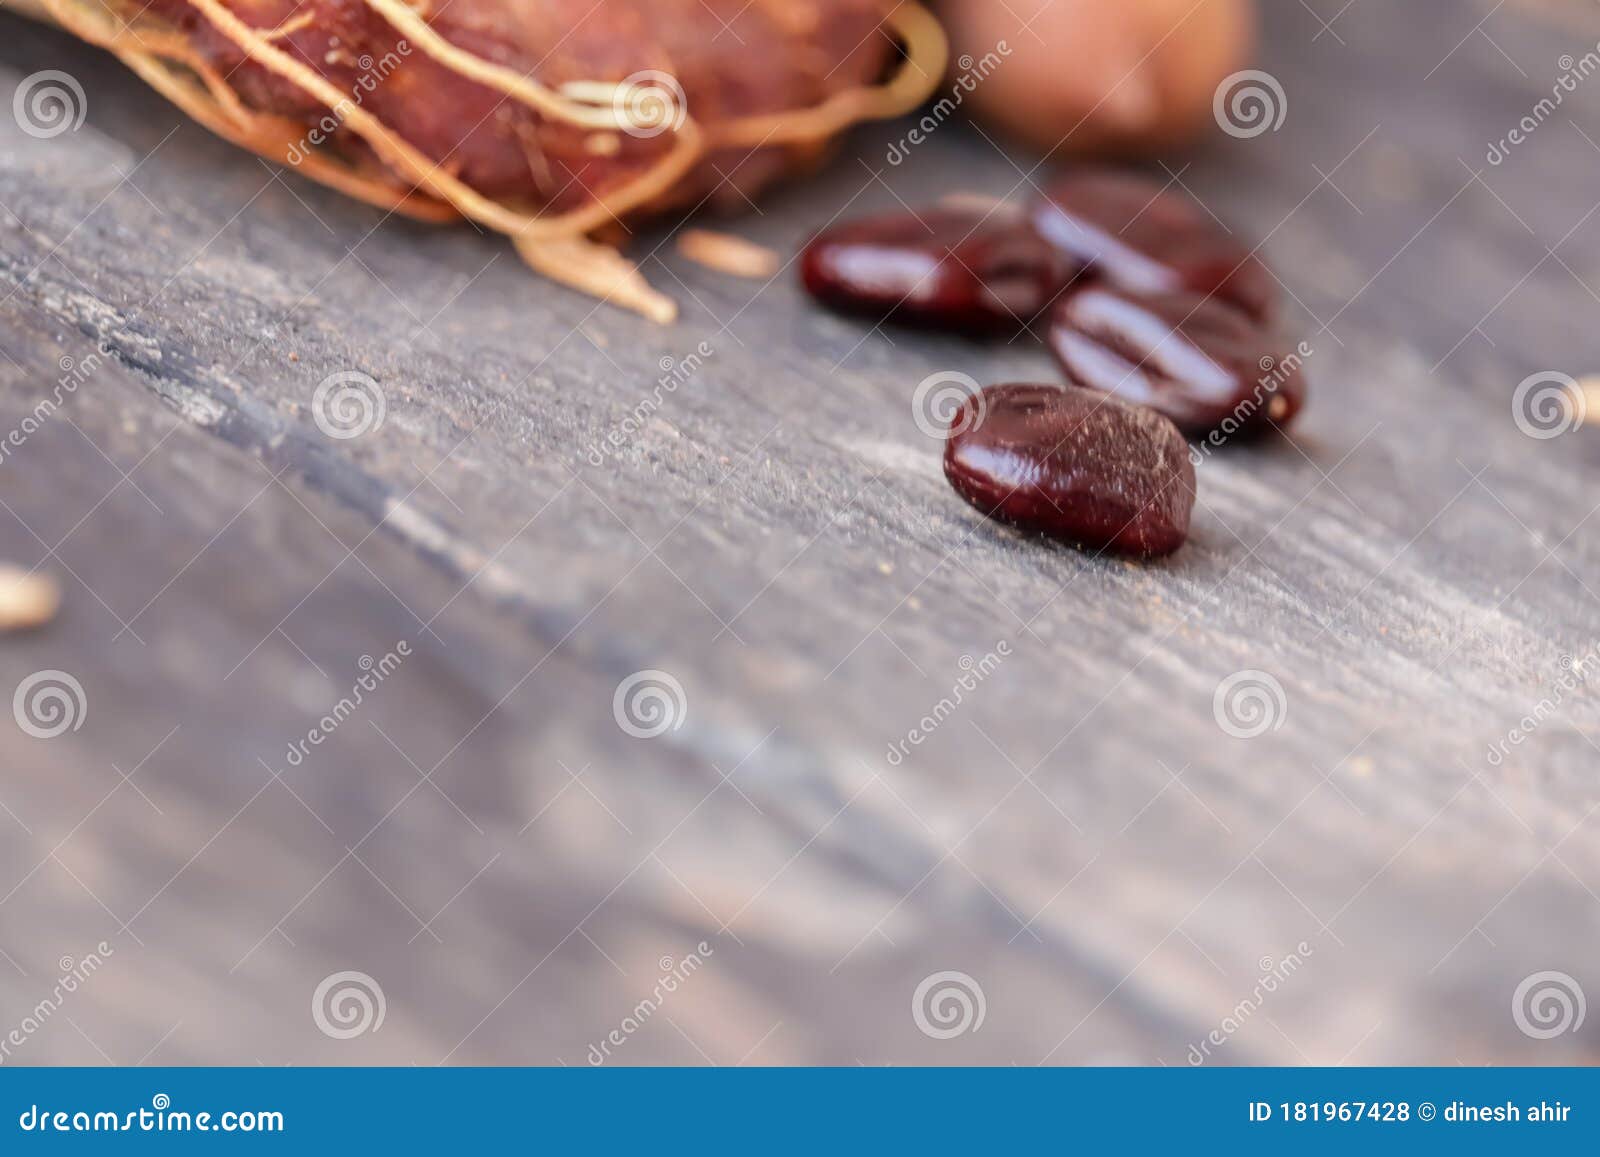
[1080, 466]
[945, 268]
[1207, 366]
[1131, 231]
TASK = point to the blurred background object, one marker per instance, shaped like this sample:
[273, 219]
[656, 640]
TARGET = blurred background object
[1085, 76]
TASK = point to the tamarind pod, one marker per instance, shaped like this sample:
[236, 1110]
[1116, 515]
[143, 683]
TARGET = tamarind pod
[524, 114]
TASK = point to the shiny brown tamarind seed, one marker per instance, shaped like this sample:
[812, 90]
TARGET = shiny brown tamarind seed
[1209, 367]
[1080, 466]
[979, 273]
[1131, 231]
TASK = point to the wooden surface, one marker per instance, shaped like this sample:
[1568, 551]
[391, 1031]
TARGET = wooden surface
[1080, 837]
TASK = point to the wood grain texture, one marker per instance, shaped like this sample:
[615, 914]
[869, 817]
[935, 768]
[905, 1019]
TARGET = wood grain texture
[1080, 837]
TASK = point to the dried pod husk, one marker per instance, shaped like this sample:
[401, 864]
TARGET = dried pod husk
[548, 120]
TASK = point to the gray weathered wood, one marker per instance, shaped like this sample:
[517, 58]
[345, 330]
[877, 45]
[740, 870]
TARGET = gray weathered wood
[1081, 837]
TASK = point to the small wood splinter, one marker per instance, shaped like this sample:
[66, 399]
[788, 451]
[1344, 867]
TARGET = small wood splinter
[28, 600]
[729, 254]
